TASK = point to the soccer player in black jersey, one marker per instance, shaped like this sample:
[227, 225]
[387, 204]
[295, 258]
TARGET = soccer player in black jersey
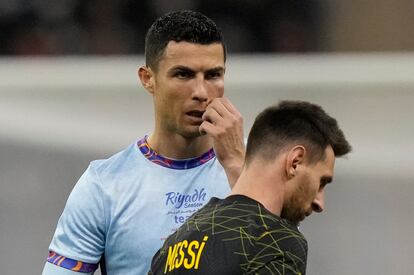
[290, 158]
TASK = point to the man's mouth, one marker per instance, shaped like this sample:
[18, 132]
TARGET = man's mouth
[197, 114]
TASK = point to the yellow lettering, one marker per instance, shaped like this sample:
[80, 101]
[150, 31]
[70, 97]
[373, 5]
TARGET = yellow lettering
[172, 253]
[200, 251]
[184, 253]
[192, 255]
[179, 262]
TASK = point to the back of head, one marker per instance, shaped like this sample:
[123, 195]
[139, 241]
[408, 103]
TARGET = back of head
[295, 122]
[184, 25]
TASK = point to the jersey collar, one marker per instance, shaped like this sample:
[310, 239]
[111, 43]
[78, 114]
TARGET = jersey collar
[179, 164]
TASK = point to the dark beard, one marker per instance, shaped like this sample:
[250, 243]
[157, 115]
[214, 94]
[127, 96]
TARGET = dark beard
[292, 210]
[294, 216]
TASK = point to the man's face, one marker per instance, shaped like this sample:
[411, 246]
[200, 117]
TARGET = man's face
[188, 78]
[305, 193]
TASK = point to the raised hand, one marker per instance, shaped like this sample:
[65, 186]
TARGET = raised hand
[224, 123]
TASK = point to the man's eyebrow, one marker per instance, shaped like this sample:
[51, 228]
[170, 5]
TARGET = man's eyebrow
[180, 68]
[216, 69]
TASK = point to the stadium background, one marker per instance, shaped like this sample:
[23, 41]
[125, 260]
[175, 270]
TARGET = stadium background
[69, 94]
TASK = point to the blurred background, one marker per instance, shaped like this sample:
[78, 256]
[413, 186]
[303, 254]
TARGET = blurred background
[69, 94]
[109, 27]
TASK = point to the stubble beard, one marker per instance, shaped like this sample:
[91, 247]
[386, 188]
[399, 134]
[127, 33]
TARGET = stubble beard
[292, 213]
[293, 210]
[192, 133]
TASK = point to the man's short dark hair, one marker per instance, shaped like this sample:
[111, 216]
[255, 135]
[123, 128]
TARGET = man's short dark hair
[295, 122]
[184, 25]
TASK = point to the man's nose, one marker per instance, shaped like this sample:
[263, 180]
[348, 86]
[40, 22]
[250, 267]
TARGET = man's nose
[318, 202]
[200, 91]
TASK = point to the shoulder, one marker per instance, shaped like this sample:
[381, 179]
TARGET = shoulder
[116, 161]
[285, 242]
[129, 160]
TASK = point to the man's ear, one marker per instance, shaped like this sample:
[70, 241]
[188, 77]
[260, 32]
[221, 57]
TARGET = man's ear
[146, 75]
[295, 157]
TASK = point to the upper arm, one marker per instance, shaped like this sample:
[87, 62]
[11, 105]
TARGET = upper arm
[282, 252]
[68, 268]
[80, 233]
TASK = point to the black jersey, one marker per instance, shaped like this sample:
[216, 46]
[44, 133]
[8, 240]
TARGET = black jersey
[236, 235]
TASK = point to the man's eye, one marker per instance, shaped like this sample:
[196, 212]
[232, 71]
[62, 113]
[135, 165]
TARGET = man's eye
[324, 182]
[213, 75]
[183, 74]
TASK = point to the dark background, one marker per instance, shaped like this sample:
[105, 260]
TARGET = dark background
[114, 27]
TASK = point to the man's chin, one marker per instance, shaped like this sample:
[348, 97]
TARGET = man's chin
[294, 221]
[192, 133]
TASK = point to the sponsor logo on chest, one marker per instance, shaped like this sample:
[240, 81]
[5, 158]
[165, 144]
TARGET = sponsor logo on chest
[193, 199]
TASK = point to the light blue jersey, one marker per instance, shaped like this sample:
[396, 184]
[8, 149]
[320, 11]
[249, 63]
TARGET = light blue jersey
[125, 206]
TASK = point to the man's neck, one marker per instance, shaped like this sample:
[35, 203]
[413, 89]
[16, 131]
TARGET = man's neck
[176, 146]
[263, 185]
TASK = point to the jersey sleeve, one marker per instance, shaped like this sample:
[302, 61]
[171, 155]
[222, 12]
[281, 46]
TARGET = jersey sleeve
[53, 269]
[284, 253]
[79, 239]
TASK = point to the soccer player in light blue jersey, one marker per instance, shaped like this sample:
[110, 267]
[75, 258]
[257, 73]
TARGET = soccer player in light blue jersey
[122, 208]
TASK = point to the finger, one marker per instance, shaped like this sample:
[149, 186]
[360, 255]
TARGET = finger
[224, 107]
[229, 106]
[228, 119]
[211, 115]
[217, 106]
[208, 128]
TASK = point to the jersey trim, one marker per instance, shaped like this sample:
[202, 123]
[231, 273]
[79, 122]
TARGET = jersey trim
[70, 264]
[154, 157]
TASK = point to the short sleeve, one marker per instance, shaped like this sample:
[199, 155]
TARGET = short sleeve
[81, 229]
[282, 251]
[52, 269]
